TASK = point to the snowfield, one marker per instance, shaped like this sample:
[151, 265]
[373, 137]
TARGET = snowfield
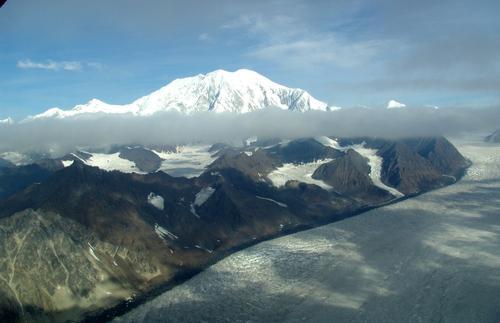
[299, 172]
[187, 161]
[432, 258]
[110, 162]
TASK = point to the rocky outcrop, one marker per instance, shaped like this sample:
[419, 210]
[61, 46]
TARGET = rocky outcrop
[302, 151]
[442, 155]
[349, 175]
[407, 171]
[146, 160]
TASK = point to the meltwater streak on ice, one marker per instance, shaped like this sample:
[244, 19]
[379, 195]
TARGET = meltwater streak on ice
[430, 258]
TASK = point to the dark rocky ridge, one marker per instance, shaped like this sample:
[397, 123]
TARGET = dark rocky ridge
[349, 175]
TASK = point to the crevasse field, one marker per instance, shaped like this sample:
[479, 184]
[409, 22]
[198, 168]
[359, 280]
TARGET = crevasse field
[433, 258]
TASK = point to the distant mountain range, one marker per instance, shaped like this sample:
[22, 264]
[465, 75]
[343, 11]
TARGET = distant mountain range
[241, 91]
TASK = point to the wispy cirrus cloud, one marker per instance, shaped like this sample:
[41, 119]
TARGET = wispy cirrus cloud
[290, 41]
[50, 65]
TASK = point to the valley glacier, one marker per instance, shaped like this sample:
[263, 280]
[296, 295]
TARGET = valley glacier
[431, 258]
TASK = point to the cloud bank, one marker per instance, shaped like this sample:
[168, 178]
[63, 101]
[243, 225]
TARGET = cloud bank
[62, 136]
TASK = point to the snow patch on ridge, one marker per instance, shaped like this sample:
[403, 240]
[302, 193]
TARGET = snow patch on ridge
[156, 200]
[67, 163]
[271, 200]
[164, 233]
[203, 195]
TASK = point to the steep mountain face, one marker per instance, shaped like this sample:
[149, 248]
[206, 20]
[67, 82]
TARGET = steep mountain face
[78, 239]
[441, 154]
[146, 160]
[14, 179]
[349, 175]
[494, 137]
[241, 91]
[407, 171]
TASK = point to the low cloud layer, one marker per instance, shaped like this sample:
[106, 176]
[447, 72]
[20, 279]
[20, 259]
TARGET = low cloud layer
[62, 136]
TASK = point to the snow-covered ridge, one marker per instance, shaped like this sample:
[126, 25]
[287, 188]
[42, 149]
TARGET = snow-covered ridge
[241, 91]
[393, 104]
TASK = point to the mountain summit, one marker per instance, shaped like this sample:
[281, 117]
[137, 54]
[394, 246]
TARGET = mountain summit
[241, 91]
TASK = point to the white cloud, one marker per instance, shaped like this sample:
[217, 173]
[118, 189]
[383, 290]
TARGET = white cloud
[175, 128]
[291, 42]
[318, 51]
[50, 65]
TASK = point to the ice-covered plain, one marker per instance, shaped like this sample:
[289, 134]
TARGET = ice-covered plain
[432, 258]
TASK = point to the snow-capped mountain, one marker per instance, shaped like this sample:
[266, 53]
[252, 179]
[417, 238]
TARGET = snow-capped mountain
[8, 120]
[241, 91]
[393, 104]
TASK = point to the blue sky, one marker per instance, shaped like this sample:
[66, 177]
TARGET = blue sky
[348, 53]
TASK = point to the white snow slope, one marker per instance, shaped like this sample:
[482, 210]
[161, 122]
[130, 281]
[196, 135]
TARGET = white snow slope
[219, 91]
[299, 172]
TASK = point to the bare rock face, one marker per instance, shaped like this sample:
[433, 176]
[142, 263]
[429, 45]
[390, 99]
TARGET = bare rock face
[349, 175]
[53, 268]
[407, 171]
[443, 156]
[146, 160]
